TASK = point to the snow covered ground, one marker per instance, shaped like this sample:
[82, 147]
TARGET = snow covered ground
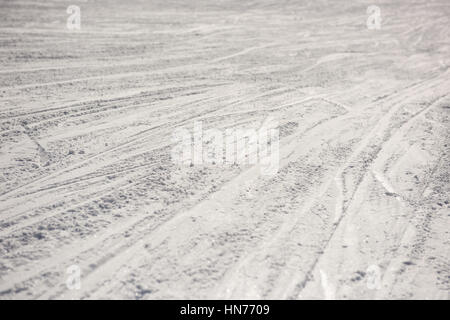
[92, 204]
